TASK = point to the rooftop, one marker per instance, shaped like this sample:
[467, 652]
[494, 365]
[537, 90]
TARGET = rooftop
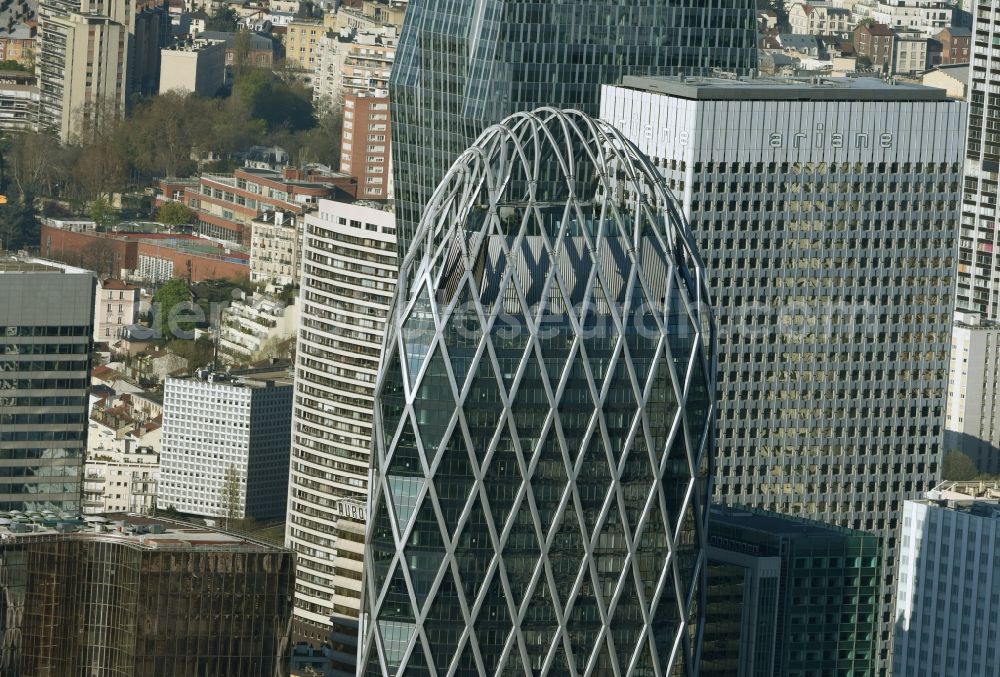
[15, 264]
[271, 374]
[140, 531]
[771, 523]
[783, 89]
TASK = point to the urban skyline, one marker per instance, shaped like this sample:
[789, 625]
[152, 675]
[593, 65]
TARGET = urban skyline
[662, 386]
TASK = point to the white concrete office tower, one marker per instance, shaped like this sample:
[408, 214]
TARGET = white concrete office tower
[543, 419]
[46, 323]
[978, 265]
[348, 278]
[972, 421]
[826, 211]
[220, 430]
[947, 619]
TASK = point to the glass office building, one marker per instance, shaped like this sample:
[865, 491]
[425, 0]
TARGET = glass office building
[46, 328]
[543, 419]
[789, 596]
[461, 66]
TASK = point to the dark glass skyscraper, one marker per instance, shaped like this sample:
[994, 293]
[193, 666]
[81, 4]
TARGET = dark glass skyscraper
[462, 65]
[543, 419]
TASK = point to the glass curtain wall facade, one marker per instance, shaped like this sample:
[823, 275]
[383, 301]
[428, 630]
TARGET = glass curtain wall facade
[46, 328]
[463, 65]
[543, 420]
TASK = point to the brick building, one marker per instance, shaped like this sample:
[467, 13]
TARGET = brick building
[954, 45]
[365, 144]
[877, 43]
[226, 205]
[145, 256]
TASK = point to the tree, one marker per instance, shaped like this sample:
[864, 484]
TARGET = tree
[102, 213]
[229, 501]
[278, 103]
[171, 300]
[223, 19]
[957, 466]
[19, 226]
[174, 214]
[32, 162]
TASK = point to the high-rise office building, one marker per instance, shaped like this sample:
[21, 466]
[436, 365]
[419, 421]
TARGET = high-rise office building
[225, 444]
[348, 277]
[543, 419]
[826, 212]
[463, 66]
[789, 596]
[130, 595]
[947, 606]
[46, 327]
[978, 267]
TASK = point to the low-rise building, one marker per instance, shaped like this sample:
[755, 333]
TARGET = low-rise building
[275, 247]
[819, 18]
[255, 329]
[947, 619]
[876, 43]
[953, 79]
[138, 595]
[953, 46]
[18, 42]
[121, 478]
[116, 307]
[244, 48]
[195, 66]
[786, 595]
[226, 444]
[909, 53]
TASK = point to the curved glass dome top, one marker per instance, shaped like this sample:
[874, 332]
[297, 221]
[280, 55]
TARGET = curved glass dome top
[553, 175]
[543, 419]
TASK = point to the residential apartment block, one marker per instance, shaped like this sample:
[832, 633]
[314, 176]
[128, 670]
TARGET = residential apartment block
[365, 147]
[348, 280]
[978, 265]
[819, 18]
[972, 421]
[254, 329]
[275, 249]
[116, 307]
[94, 56]
[217, 426]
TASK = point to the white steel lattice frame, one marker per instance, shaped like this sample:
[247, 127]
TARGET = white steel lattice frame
[632, 264]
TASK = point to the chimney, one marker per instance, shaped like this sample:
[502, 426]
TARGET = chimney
[279, 218]
[292, 173]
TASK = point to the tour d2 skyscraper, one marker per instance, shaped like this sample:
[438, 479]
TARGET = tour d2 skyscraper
[462, 66]
[543, 419]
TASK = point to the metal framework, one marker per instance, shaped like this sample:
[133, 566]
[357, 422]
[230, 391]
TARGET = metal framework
[543, 419]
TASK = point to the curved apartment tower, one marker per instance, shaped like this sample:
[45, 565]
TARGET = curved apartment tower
[543, 419]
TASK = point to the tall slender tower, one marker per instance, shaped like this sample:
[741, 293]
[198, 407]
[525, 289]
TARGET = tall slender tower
[978, 267]
[461, 66]
[543, 419]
